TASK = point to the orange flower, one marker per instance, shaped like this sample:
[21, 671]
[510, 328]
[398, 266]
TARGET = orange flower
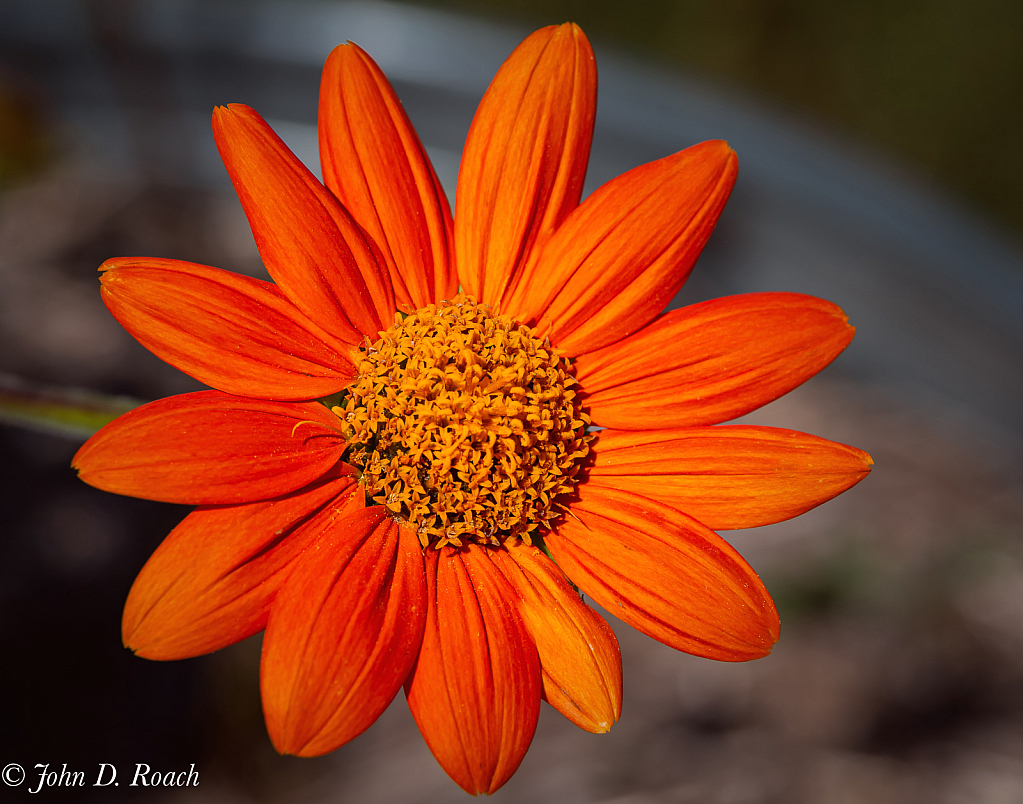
[427, 524]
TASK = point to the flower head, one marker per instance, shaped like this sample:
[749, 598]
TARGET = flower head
[399, 474]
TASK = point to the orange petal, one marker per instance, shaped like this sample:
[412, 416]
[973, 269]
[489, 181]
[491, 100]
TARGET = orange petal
[238, 334]
[210, 448]
[730, 476]
[713, 361]
[321, 259]
[343, 633]
[212, 580]
[618, 260]
[665, 574]
[525, 158]
[580, 662]
[475, 691]
[377, 167]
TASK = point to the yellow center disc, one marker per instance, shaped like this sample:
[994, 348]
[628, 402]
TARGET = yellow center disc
[464, 425]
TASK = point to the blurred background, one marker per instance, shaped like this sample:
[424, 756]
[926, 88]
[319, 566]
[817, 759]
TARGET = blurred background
[879, 168]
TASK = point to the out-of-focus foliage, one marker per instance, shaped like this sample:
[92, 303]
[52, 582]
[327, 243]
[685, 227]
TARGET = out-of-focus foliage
[24, 141]
[936, 83]
[74, 413]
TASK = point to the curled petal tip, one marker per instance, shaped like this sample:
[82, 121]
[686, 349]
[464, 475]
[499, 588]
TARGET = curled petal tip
[579, 655]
